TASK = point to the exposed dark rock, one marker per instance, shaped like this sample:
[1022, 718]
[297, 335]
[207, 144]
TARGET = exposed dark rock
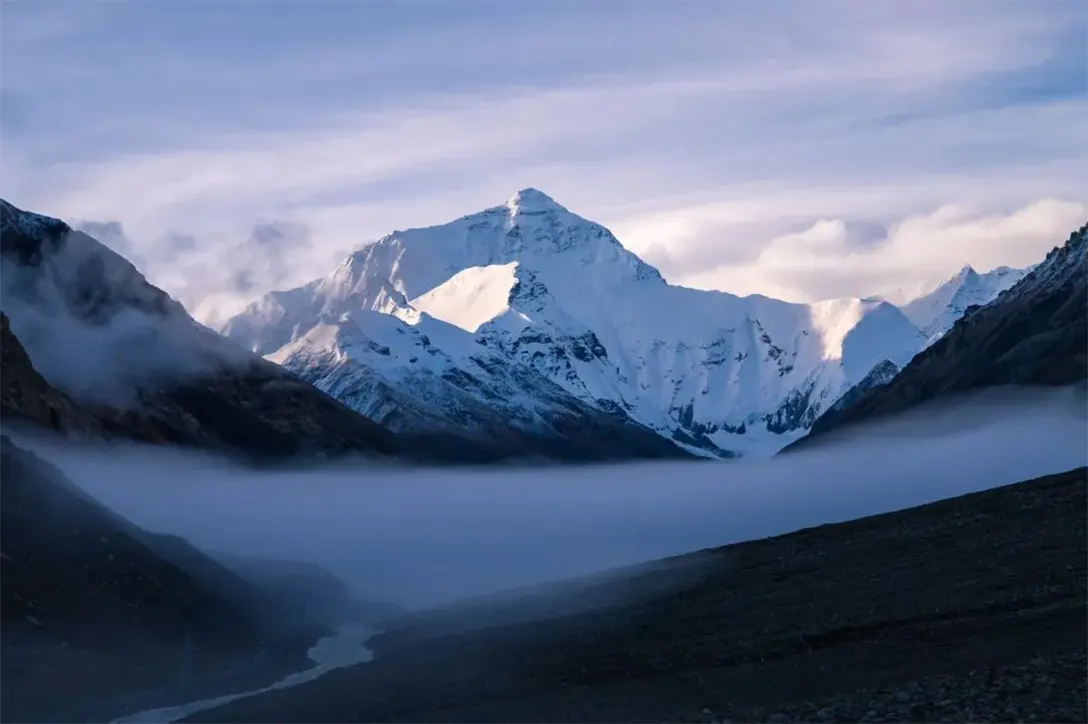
[588, 348]
[796, 411]
[459, 417]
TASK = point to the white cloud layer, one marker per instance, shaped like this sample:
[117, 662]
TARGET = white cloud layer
[843, 150]
[423, 538]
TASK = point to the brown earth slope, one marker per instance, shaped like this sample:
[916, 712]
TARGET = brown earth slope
[971, 608]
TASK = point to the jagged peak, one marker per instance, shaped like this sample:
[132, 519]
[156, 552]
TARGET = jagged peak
[532, 201]
[966, 272]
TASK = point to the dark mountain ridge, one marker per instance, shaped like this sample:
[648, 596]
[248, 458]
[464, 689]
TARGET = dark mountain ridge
[183, 383]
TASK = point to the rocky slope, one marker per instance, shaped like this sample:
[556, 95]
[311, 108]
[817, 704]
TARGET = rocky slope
[1034, 333]
[526, 310]
[968, 609]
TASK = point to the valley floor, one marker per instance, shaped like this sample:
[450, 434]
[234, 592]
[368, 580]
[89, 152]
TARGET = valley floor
[972, 608]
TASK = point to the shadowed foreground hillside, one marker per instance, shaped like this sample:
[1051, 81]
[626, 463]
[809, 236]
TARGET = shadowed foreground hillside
[971, 608]
[101, 617]
[89, 608]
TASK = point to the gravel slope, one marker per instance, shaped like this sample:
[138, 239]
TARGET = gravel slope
[969, 608]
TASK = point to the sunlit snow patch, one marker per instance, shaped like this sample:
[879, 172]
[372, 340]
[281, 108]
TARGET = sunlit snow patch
[471, 297]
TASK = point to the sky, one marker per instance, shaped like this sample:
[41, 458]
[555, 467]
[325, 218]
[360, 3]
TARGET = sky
[803, 150]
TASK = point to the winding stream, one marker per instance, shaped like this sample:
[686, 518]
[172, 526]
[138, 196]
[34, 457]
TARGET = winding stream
[344, 648]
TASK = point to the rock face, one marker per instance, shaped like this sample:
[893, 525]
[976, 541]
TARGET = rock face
[527, 312]
[1034, 333]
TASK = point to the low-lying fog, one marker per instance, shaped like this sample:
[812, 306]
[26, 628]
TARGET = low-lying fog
[426, 536]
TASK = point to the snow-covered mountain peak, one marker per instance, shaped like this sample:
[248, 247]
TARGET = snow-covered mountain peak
[935, 307]
[531, 230]
[531, 291]
[532, 201]
[966, 273]
[999, 278]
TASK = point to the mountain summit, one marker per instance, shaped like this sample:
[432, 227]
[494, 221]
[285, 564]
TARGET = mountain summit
[532, 201]
[530, 311]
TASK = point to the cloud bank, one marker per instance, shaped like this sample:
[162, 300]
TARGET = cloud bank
[425, 536]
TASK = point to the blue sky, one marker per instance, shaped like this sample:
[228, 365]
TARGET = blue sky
[803, 150]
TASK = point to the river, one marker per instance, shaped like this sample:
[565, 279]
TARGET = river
[344, 648]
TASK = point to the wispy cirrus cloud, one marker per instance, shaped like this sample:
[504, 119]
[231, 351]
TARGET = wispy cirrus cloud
[707, 135]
